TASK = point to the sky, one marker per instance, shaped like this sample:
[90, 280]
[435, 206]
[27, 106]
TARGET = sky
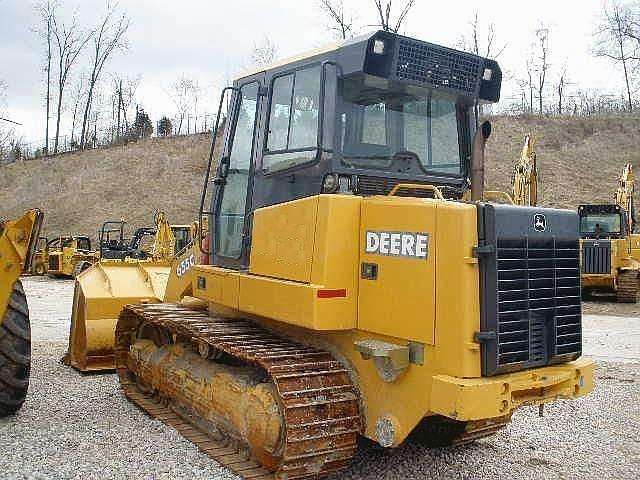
[212, 40]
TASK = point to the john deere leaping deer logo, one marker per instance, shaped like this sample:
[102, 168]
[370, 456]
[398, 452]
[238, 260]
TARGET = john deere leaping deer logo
[539, 222]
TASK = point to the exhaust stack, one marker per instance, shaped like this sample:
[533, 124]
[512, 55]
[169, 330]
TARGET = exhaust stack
[477, 160]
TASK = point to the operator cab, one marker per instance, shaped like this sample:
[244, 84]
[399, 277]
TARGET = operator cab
[356, 118]
[602, 221]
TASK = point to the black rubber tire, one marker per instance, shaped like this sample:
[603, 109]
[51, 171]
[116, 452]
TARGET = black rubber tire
[15, 352]
[40, 269]
[437, 431]
[80, 267]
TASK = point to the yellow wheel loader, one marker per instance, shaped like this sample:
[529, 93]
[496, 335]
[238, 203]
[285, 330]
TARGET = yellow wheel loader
[610, 248]
[64, 256]
[17, 245]
[348, 290]
[129, 271]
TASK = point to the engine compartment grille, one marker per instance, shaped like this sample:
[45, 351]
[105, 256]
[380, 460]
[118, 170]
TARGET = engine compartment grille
[437, 66]
[531, 311]
[539, 312]
[596, 256]
[54, 262]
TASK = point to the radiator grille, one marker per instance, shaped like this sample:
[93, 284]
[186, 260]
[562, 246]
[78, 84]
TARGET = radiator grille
[54, 262]
[438, 67]
[596, 256]
[539, 313]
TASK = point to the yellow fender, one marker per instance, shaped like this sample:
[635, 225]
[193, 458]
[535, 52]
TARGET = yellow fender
[17, 247]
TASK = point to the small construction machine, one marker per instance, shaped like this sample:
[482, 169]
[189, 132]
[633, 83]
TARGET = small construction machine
[610, 248]
[18, 241]
[114, 245]
[135, 270]
[64, 256]
[349, 290]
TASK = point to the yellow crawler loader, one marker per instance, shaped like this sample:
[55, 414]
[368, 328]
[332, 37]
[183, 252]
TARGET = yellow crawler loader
[126, 273]
[17, 245]
[610, 249]
[64, 256]
[348, 290]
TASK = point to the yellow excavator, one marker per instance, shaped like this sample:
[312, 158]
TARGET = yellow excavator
[128, 271]
[524, 181]
[18, 240]
[349, 290]
[610, 248]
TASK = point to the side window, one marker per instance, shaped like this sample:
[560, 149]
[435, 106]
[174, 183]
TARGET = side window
[444, 133]
[304, 121]
[280, 113]
[84, 244]
[374, 125]
[293, 120]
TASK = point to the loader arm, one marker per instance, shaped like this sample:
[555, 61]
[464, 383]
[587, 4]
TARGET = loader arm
[18, 241]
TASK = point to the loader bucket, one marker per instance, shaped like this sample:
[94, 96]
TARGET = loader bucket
[101, 292]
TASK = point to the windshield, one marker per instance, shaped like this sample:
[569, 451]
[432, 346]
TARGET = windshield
[600, 223]
[378, 126]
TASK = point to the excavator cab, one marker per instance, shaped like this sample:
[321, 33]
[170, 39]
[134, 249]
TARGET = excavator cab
[602, 221]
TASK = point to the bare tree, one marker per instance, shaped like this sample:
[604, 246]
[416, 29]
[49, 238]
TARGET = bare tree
[263, 54]
[123, 95]
[561, 86]
[6, 131]
[530, 83]
[78, 97]
[385, 14]
[482, 40]
[181, 92]
[46, 10]
[69, 41]
[613, 40]
[340, 22]
[109, 36]
[541, 64]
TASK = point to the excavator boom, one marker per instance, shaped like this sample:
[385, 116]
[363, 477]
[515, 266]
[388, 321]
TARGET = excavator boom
[525, 175]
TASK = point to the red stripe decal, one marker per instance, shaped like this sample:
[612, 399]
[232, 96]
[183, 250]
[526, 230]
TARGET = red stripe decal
[332, 293]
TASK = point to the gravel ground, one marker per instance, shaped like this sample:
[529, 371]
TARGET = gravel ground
[607, 306]
[75, 426]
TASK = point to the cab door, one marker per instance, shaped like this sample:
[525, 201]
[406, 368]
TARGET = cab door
[232, 199]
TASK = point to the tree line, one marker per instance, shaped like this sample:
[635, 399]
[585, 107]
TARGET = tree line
[78, 81]
[543, 82]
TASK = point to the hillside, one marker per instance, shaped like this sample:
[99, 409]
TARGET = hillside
[579, 158]
[80, 190]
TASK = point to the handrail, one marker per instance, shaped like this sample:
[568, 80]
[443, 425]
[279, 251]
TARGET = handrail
[437, 193]
[497, 194]
[202, 212]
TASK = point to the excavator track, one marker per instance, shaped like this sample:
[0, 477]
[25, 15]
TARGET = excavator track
[318, 402]
[628, 286]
